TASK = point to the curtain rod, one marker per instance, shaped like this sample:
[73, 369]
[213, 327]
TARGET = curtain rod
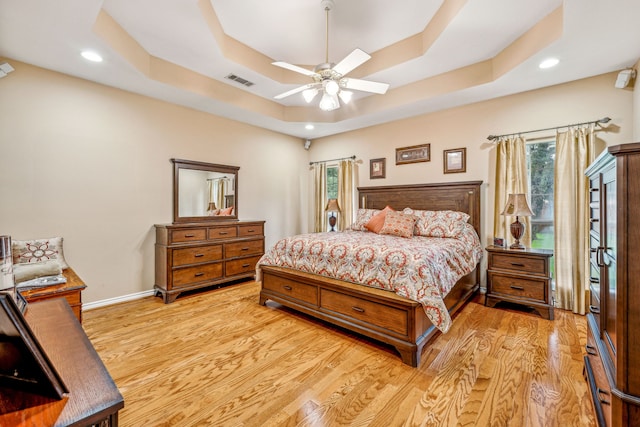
[603, 120]
[333, 160]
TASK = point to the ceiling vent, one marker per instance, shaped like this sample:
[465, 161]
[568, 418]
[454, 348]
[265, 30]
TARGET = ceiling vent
[240, 80]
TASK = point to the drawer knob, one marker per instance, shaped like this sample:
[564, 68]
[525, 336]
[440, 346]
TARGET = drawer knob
[287, 287]
[591, 350]
[198, 255]
[245, 265]
[244, 249]
[594, 309]
[199, 274]
[517, 264]
[517, 288]
[358, 309]
[222, 233]
[189, 235]
[251, 231]
[603, 400]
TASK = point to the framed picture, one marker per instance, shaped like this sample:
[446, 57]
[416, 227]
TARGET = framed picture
[23, 363]
[377, 168]
[413, 154]
[455, 160]
[498, 241]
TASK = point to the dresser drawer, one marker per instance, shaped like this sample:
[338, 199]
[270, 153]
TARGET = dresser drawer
[189, 235]
[291, 289]
[250, 230]
[222, 232]
[73, 297]
[380, 315]
[521, 287]
[597, 380]
[244, 248]
[199, 273]
[197, 255]
[241, 266]
[521, 264]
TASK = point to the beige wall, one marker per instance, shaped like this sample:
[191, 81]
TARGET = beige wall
[91, 163]
[469, 126]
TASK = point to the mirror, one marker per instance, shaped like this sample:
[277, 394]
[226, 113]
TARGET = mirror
[204, 191]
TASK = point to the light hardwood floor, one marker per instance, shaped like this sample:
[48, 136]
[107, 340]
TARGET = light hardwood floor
[217, 358]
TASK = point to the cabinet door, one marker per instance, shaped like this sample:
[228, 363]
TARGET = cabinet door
[608, 260]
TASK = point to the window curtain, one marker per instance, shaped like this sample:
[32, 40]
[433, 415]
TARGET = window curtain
[575, 151]
[511, 177]
[320, 197]
[346, 193]
[217, 190]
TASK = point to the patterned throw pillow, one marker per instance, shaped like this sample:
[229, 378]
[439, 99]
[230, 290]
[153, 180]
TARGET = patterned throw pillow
[362, 217]
[377, 221]
[438, 223]
[38, 250]
[399, 224]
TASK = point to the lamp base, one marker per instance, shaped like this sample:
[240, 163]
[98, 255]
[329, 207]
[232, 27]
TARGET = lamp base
[517, 231]
[332, 222]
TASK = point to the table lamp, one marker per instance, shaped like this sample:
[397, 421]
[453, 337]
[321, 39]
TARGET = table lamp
[517, 206]
[332, 206]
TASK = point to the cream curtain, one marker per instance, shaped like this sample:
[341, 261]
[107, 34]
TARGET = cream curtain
[217, 190]
[320, 197]
[511, 177]
[575, 151]
[346, 193]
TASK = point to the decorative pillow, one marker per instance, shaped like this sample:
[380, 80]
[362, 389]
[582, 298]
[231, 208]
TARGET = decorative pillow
[399, 224]
[362, 217]
[38, 250]
[24, 272]
[377, 221]
[227, 211]
[438, 223]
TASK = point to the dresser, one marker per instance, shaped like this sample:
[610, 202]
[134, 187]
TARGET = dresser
[196, 255]
[521, 276]
[612, 360]
[93, 398]
[70, 291]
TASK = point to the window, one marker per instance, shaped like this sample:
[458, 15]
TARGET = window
[540, 170]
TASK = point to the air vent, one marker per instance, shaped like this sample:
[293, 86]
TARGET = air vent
[240, 80]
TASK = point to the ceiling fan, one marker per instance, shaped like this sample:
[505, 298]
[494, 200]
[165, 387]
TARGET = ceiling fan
[330, 78]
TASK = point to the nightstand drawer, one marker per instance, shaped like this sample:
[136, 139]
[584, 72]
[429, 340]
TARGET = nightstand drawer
[521, 264]
[521, 287]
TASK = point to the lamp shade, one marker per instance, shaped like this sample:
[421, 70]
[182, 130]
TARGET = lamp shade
[332, 206]
[517, 206]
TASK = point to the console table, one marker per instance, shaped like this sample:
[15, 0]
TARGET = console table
[93, 397]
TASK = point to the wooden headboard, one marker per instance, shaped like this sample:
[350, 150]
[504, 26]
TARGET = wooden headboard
[455, 196]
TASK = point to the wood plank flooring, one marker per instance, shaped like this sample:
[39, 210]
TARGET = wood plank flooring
[217, 358]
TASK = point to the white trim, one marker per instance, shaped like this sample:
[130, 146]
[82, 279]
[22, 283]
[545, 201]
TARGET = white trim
[115, 300]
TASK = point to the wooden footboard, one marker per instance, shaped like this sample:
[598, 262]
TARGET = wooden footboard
[375, 313]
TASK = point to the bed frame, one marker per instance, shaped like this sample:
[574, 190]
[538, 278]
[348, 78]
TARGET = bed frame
[375, 313]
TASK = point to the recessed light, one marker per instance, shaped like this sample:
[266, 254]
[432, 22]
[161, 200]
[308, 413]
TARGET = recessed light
[90, 55]
[549, 62]
[309, 127]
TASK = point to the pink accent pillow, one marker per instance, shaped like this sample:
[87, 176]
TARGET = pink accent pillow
[227, 211]
[399, 224]
[377, 221]
[438, 223]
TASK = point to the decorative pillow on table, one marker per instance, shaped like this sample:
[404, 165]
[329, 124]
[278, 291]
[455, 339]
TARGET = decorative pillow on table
[377, 221]
[438, 223]
[28, 271]
[398, 224]
[38, 250]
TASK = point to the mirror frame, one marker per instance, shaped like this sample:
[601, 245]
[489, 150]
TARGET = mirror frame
[179, 164]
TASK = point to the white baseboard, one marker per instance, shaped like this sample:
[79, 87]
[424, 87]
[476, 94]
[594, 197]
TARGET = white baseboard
[115, 300]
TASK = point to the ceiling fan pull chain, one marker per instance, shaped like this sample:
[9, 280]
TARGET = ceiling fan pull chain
[326, 55]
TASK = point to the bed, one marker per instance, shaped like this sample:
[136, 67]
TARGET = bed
[377, 313]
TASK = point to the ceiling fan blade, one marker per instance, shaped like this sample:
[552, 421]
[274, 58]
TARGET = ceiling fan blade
[352, 61]
[295, 68]
[366, 86]
[296, 90]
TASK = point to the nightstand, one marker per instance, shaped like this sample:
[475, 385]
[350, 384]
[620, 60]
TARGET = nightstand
[521, 276]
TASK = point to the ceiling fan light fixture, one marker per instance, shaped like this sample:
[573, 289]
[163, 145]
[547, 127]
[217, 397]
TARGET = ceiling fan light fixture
[331, 87]
[345, 96]
[309, 94]
[329, 102]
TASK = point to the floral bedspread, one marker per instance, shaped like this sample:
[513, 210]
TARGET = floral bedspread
[423, 269]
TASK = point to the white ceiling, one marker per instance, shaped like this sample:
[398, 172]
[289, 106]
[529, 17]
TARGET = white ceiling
[595, 38]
